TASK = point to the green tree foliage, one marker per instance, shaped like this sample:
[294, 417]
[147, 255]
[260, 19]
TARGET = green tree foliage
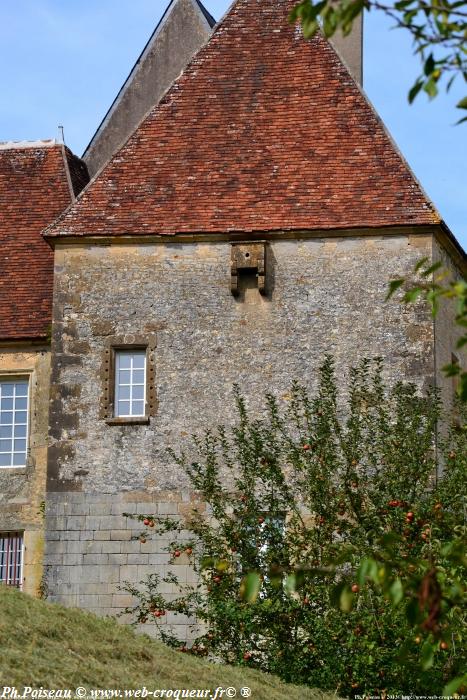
[298, 503]
[438, 29]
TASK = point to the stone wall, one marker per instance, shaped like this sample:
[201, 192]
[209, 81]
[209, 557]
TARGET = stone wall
[22, 489]
[447, 332]
[325, 295]
[93, 549]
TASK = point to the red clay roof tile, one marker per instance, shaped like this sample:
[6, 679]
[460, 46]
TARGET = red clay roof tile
[263, 131]
[34, 190]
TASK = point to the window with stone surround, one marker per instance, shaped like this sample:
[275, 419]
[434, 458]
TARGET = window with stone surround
[11, 558]
[14, 410]
[130, 383]
[128, 374]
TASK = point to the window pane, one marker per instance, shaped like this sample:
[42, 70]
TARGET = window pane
[138, 408]
[124, 376]
[124, 393]
[138, 392]
[13, 422]
[19, 459]
[130, 381]
[21, 388]
[138, 376]
[139, 360]
[124, 360]
[123, 408]
[20, 431]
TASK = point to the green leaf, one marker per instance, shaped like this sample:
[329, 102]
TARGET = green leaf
[363, 571]
[414, 90]
[454, 685]
[396, 592]
[412, 611]
[431, 88]
[429, 66]
[309, 28]
[427, 656]
[451, 370]
[346, 599]
[412, 295]
[462, 104]
[431, 269]
[463, 386]
[420, 264]
[393, 287]
[291, 584]
[250, 587]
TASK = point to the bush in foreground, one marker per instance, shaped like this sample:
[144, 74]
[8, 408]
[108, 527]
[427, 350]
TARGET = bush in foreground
[297, 499]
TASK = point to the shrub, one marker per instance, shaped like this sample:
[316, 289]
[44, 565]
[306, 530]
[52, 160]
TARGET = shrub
[299, 502]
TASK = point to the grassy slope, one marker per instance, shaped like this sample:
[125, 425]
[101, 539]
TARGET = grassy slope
[42, 644]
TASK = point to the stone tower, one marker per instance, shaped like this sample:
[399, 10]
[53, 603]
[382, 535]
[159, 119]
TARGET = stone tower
[249, 225]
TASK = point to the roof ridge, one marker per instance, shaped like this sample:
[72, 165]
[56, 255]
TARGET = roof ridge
[40, 143]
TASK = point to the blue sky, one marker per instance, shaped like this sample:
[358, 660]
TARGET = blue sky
[63, 62]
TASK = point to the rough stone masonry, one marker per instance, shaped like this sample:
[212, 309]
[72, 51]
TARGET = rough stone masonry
[324, 295]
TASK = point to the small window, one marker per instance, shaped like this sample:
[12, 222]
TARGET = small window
[11, 558]
[13, 421]
[130, 383]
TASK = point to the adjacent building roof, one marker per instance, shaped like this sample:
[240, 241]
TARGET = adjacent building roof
[37, 181]
[263, 131]
[184, 27]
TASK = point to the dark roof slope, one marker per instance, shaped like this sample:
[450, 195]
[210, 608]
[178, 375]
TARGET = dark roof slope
[35, 180]
[263, 131]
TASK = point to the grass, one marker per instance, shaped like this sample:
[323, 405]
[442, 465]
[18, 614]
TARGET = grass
[43, 644]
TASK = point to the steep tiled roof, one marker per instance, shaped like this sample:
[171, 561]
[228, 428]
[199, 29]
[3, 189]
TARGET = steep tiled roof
[263, 131]
[35, 179]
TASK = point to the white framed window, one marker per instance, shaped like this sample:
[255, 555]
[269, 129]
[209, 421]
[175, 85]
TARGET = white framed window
[11, 558]
[14, 410]
[130, 383]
